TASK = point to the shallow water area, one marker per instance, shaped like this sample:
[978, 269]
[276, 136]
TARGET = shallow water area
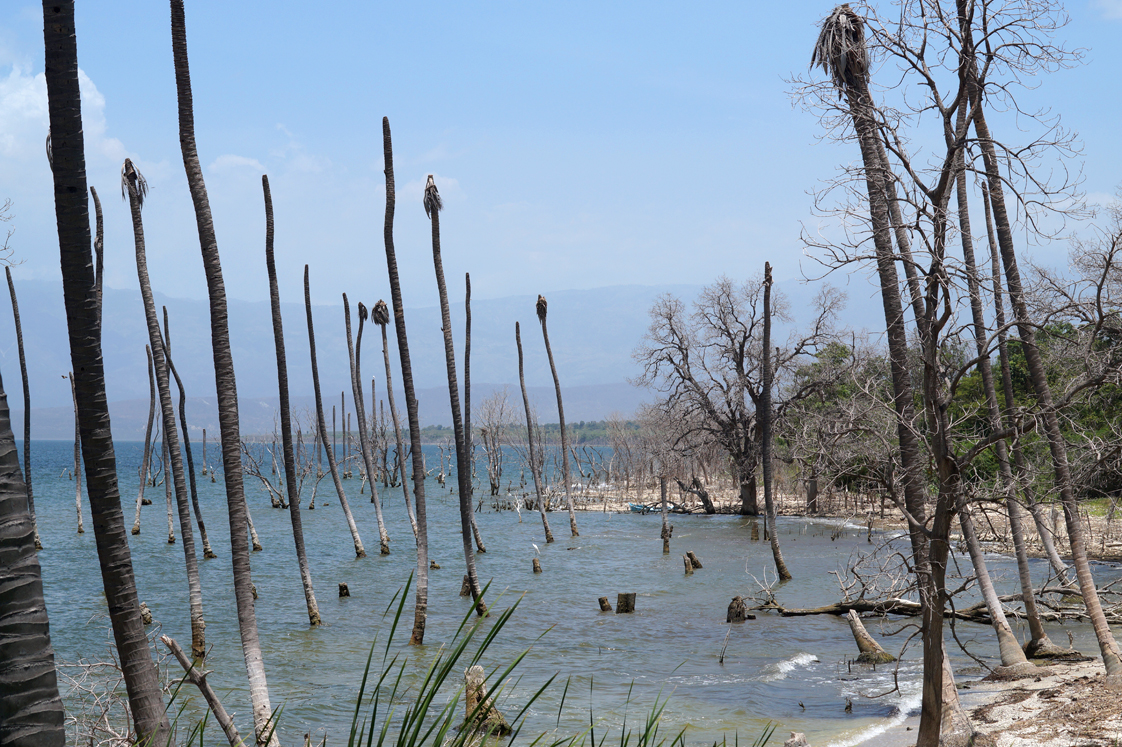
[792, 672]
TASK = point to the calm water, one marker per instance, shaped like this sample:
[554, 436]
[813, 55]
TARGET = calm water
[788, 670]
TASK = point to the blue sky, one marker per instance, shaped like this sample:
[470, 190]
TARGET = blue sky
[576, 145]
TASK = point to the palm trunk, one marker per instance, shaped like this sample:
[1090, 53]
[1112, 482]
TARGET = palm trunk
[765, 416]
[99, 251]
[288, 456]
[463, 466]
[531, 455]
[225, 386]
[666, 529]
[399, 442]
[79, 291]
[208, 552]
[469, 436]
[26, 408]
[172, 455]
[420, 612]
[77, 472]
[167, 490]
[31, 711]
[321, 425]
[566, 474]
[364, 444]
[144, 462]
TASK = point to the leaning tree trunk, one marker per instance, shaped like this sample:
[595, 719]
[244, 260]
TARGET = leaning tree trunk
[666, 528]
[147, 456]
[565, 473]
[420, 612]
[531, 455]
[84, 328]
[26, 407]
[136, 187]
[469, 437]
[31, 712]
[463, 466]
[77, 471]
[288, 457]
[364, 444]
[765, 418]
[225, 386]
[1038, 377]
[381, 317]
[321, 425]
[208, 552]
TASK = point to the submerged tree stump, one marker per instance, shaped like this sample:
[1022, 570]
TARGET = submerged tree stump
[481, 716]
[433, 565]
[344, 590]
[465, 587]
[537, 566]
[798, 739]
[693, 560]
[145, 614]
[871, 651]
[605, 605]
[625, 604]
[689, 565]
[738, 611]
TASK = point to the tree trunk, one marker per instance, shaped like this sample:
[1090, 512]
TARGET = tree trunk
[83, 324]
[463, 465]
[666, 528]
[145, 460]
[812, 494]
[469, 436]
[321, 426]
[765, 416]
[167, 410]
[26, 408]
[531, 456]
[225, 386]
[566, 475]
[420, 613]
[31, 711]
[749, 505]
[360, 415]
[167, 489]
[77, 471]
[288, 457]
[398, 441]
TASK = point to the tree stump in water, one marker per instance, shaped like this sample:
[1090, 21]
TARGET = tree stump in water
[693, 560]
[625, 604]
[605, 605]
[798, 739]
[537, 566]
[253, 590]
[145, 614]
[689, 565]
[871, 651]
[481, 716]
[344, 590]
[465, 587]
[433, 565]
[738, 611]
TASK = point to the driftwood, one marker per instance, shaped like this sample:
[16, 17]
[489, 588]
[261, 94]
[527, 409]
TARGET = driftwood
[693, 559]
[871, 651]
[605, 605]
[198, 679]
[688, 564]
[894, 606]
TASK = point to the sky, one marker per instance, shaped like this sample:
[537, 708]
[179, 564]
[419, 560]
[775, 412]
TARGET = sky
[576, 145]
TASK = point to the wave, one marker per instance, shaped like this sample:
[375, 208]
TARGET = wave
[787, 665]
[909, 704]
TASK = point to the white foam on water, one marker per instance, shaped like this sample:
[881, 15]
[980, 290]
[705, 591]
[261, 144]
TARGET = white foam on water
[788, 665]
[909, 704]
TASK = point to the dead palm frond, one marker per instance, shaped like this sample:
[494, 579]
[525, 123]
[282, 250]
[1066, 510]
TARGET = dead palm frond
[433, 203]
[131, 176]
[840, 49]
[381, 314]
[363, 314]
[542, 308]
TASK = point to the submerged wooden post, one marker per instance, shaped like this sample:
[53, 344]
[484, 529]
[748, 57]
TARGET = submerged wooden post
[693, 559]
[605, 605]
[689, 565]
[537, 566]
[625, 604]
[433, 565]
[344, 590]
[738, 611]
[481, 715]
[871, 651]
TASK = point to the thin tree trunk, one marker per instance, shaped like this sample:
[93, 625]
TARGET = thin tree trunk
[665, 516]
[566, 474]
[469, 436]
[99, 251]
[420, 612]
[288, 456]
[77, 472]
[26, 408]
[83, 324]
[765, 417]
[144, 462]
[364, 444]
[381, 318]
[225, 386]
[31, 712]
[167, 491]
[207, 551]
[530, 454]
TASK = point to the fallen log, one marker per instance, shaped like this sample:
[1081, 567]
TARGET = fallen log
[871, 651]
[894, 606]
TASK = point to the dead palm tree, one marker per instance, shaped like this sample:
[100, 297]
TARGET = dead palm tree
[469, 440]
[321, 424]
[433, 206]
[421, 599]
[360, 414]
[79, 292]
[542, 309]
[225, 386]
[288, 456]
[99, 250]
[26, 407]
[381, 316]
[31, 711]
[77, 471]
[135, 187]
[765, 419]
[531, 452]
[144, 461]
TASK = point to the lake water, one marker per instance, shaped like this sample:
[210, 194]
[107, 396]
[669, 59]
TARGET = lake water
[791, 671]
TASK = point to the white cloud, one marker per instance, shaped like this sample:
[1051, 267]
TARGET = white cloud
[230, 162]
[1111, 9]
[23, 112]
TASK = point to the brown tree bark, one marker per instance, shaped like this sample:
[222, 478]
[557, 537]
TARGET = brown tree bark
[566, 475]
[146, 457]
[765, 418]
[530, 453]
[26, 408]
